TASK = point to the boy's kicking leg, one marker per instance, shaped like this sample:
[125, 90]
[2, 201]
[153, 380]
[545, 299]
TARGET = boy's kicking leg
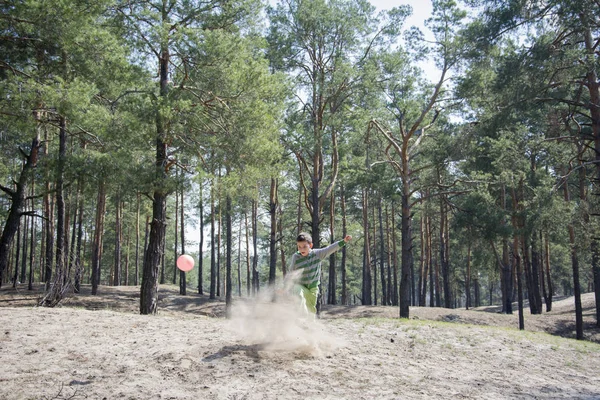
[308, 299]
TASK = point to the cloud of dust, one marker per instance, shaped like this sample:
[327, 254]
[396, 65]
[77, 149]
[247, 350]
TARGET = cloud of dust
[275, 321]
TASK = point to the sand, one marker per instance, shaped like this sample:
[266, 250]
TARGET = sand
[99, 347]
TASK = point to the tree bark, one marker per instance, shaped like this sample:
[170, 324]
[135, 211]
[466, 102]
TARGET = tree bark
[249, 279]
[550, 287]
[18, 203]
[176, 246]
[118, 238]
[228, 261]
[395, 301]
[49, 218]
[366, 272]
[239, 259]
[535, 273]
[332, 281]
[575, 269]
[384, 292]
[213, 258]
[32, 239]
[23, 269]
[98, 236]
[273, 232]
[255, 277]
[468, 276]
[156, 243]
[373, 252]
[59, 268]
[444, 250]
[422, 261]
[182, 274]
[137, 240]
[343, 277]
[201, 242]
[516, 256]
[154, 252]
[407, 257]
[388, 243]
[506, 276]
[593, 86]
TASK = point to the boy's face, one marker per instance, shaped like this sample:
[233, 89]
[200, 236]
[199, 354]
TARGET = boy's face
[304, 248]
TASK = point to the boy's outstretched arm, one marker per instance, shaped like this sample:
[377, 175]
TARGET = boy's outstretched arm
[335, 246]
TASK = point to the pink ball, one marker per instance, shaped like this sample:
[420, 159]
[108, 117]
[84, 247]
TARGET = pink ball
[185, 263]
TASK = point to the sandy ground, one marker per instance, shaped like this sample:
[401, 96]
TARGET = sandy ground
[99, 347]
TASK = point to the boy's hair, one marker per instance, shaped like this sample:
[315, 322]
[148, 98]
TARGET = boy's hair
[304, 237]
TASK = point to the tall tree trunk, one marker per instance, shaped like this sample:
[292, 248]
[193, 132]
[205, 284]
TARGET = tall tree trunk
[78, 247]
[384, 293]
[49, 218]
[239, 260]
[366, 273]
[299, 210]
[273, 232]
[156, 243]
[575, 269]
[219, 245]
[23, 270]
[535, 273]
[137, 240]
[517, 226]
[201, 242]
[32, 238]
[213, 256]
[249, 279]
[228, 249]
[407, 256]
[373, 251]
[593, 86]
[428, 275]
[388, 235]
[175, 230]
[127, 248]
[433, 287]
[445, 267]
[146, 232]
[436, 280]
[506, 267]
[477, 290]
[343, 277]
[74, 212]
[280, 238]
[154, 252]
[422, 263]
[98, 236]
[118, 238]
[395, 257]
[332, 281]
[550, 287]
[468, 276]
[255, 278]
[524, 242]
[59, 268]
[182, 274]
[17, 249]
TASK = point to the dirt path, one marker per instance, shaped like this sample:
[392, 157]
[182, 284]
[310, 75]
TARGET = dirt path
[100, 348]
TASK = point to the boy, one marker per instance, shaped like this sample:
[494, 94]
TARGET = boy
[306, 268]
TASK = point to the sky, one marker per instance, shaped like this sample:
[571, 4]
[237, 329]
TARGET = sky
[421, 11]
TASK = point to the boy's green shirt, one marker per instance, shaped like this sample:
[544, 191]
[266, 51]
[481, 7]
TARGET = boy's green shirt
[310, 265]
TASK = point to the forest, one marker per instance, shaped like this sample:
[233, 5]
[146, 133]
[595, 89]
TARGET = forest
[134, 131]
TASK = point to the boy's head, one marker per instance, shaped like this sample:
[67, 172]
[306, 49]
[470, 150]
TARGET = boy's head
[304, 242]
